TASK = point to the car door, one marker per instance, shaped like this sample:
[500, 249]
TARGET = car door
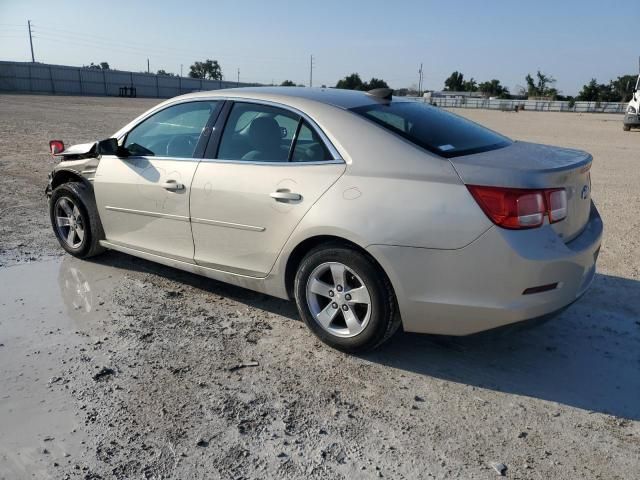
[143, 195]
[270, 167]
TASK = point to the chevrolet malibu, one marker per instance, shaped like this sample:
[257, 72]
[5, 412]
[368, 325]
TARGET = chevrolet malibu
[370, 211]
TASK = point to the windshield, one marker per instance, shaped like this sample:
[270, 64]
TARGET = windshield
[432, 128]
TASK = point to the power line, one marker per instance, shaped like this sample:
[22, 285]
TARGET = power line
[148, 47]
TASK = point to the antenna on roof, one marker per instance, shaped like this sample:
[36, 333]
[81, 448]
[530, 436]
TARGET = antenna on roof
[384, 93]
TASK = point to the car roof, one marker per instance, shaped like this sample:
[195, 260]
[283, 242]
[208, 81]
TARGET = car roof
[345, 99]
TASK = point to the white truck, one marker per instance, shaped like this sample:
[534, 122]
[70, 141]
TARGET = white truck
[632, 115]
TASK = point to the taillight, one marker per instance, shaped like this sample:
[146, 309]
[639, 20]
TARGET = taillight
[557, 204]
[518, 208]
[56, 146]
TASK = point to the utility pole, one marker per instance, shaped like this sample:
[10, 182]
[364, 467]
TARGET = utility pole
[311, 72]
[238, 84]
[420, 81]
[148, 70]
[180, 69]
[33, 58]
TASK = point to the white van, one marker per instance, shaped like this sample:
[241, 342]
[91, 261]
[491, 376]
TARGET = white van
[632, 116]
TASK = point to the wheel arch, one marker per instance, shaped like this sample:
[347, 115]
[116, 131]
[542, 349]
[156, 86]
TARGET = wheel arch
[308, 244]
[64, 175]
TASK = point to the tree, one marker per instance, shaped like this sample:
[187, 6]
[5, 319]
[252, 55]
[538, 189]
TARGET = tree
[209, 69]
[619, 90]
[624, 87]
[470, 85]
[590, 92]
[164, 73]
[455, 82]
[543, 86]
[288, 83]
[354, 82]
[99, 66]
[493, 88]
[350, 82]
[375, 83]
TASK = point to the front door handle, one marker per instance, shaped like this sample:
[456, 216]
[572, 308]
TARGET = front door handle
[285, 196]
[172, 186]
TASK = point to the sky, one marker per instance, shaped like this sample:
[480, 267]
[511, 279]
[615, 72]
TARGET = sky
[272, 40]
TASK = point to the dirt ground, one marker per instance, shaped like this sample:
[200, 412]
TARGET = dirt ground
[120, 368]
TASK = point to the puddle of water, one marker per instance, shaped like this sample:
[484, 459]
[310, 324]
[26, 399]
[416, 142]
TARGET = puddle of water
[47, 311]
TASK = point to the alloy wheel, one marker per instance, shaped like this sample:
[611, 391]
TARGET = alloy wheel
[338, 299]
[69, 222]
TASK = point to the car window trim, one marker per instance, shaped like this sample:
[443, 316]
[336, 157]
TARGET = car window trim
[220, 125]
[294, 140]
[203, 139]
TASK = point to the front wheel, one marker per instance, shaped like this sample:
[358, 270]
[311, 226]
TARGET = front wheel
[345, 299]
[626, 128]
[75, 220]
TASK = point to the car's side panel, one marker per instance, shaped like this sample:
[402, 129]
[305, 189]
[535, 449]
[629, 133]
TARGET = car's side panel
[137, 210]
[237, 224]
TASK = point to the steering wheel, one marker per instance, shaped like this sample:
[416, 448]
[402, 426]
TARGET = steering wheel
[177, 145]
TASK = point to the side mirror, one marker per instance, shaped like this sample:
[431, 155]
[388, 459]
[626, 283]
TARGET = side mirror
[110, 147]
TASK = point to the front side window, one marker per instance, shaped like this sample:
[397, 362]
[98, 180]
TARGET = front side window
[172, 132]
[259, 133]
[432, 128]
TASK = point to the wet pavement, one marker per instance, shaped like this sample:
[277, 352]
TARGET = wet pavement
[47, 311]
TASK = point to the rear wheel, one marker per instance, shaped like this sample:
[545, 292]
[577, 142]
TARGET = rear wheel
[345, 299]
[75, 221]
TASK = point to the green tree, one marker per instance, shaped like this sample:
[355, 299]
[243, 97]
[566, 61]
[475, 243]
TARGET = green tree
[164, 73]
[209, 69]
[455, 82]
[288, 83]
[98, 66]
[614, 91]
[493, 88]
[624, 87]
[543, 86]
[354, 82]
[375, 83]
[470, 85]
[350, 82]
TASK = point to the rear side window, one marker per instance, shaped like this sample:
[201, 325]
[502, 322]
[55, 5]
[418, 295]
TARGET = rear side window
[259, 133]
[436, 130]
[309, 147]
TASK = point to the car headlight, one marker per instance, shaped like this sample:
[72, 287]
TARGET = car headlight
[631, 109]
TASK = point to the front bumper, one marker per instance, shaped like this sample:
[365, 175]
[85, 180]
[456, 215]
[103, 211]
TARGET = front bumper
[631, 120]
[481, 286]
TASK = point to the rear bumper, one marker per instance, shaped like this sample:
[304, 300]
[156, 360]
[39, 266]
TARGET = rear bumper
[481, 286]
[631, 120]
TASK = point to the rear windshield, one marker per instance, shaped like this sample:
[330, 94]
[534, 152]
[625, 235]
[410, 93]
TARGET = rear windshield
[437, 130]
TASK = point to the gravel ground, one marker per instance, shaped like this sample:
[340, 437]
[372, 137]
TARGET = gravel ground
[120, 368]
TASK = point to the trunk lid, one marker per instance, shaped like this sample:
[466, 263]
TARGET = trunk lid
[530, 165]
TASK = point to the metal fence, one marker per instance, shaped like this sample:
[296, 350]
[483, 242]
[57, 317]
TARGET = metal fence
[535, 105]
[26, 77]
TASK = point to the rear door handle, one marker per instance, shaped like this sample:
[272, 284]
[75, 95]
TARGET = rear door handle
[172, 185]
[285, 196]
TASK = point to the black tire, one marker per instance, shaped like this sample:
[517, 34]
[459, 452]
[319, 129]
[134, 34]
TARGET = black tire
[384, 318]
[80, 196]
[626, 128]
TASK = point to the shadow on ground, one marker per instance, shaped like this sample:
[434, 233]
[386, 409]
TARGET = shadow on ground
[588, 357]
